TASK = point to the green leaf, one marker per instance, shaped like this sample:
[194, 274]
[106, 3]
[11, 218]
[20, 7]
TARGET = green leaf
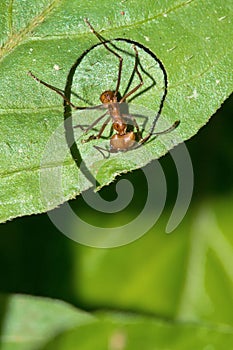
[27, 322]
[38, 170]
[119, 331]
[45, 324]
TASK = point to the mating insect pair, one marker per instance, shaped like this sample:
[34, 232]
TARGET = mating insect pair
[125, 138]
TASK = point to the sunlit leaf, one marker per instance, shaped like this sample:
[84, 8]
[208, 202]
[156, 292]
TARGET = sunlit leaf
[38, 170]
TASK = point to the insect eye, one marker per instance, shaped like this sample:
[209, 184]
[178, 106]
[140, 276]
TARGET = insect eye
[107, 96]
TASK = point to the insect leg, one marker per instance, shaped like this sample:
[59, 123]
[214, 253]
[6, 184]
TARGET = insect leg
[94, 137]
[139, 75]
[89, 127]
[171, 128]
[59, 92]
[102, 150]
[102, 40]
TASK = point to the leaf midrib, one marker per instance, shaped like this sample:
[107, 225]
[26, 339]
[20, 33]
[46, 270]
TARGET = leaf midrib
[15, 39]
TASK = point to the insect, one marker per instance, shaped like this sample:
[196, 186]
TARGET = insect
[127, 133]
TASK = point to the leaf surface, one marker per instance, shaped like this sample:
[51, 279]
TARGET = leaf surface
[28, 322]
[43, 161]
[39, 323]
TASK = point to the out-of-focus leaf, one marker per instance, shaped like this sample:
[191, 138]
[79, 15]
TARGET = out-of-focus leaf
[27, 322]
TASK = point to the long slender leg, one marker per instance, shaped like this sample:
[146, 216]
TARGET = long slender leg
[139, 75]
[94, 137]
[93, 124]
[101, 39]
[83, 127]
[59, 92]
[166, 131]
[102, 150]
[171, 128]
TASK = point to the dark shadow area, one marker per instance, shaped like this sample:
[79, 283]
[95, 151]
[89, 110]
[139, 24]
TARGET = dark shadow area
[69, 131]
[108, 193]
[35, 259]
[212, 154]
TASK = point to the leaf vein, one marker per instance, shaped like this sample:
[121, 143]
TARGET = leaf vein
[15, 39]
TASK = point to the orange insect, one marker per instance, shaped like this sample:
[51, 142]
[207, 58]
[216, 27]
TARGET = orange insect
[125, 137]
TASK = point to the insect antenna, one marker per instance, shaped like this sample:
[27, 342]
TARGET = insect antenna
[60, 92]
[103, 41]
